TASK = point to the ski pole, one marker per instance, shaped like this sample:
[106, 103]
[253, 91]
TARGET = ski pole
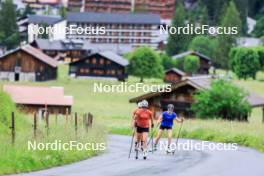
[179, 132]
[152, 134]
[131, 145]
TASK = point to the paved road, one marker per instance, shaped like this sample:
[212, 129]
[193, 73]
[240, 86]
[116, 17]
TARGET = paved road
[115, 162]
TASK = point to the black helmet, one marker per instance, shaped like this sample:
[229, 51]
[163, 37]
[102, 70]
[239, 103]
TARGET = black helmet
[170, 106]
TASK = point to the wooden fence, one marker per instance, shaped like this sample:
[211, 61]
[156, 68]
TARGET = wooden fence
[87, 120]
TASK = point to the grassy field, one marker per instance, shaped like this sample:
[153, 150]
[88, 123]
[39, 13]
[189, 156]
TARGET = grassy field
[18, 158]
[113, 111]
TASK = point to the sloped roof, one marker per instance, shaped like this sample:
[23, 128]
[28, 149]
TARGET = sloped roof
[109, 55]
[40, 19]
[40, 55]
[36, 53]
[190, 53]
[199, 82]
[117, 18]
[62, 45]
[176, 70]
[114, 57]
[27, 95]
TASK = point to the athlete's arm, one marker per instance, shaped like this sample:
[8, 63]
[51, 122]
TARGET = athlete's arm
[151, 119]
[159, 119]
[179, 119]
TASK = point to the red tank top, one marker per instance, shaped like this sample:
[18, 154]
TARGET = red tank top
[142, 118]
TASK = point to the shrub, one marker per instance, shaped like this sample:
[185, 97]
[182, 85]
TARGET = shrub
[191, 64]
[244, 62]
[224, 100]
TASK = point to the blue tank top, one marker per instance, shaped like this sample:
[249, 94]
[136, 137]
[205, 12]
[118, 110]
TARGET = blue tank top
[167, 119]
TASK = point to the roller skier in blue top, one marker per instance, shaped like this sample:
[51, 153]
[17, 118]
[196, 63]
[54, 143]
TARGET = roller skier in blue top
[166, 123]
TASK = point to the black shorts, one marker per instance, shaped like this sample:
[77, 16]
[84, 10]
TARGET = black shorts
[165, 128]
[142, 130]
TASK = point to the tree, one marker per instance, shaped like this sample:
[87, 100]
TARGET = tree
[204, 16]
[45, 35]
[63, 11]
[167, 61]
[259, 28]
[177, 42]
[205, 45]
[145, 63]
[260, 51]
[244, 62]
[8, 25]
[191, 64]
[226, 42]
[217, 8]
[223, 100]
[28, 11]
[179, 63]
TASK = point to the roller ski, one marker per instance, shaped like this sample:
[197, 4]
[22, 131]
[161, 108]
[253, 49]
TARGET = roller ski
[145, 153]
[154, 149]
[170, 151]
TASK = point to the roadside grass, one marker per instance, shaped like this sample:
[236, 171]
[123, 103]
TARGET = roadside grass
[112, 113]
[19, 157]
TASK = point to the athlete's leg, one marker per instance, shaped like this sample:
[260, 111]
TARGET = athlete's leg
[145, 139]
[169, 137]
[138, 139]
[145, 146]
[158, 137]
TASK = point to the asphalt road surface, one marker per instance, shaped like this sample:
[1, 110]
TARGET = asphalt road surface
[115, 162]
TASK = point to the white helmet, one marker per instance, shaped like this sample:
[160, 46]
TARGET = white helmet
[139, 104]
[144, 103]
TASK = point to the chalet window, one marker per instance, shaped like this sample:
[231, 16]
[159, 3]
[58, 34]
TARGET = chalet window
[102, 61]
[108, 62]
[18, 61]
[41, 68]
[94, 61]
[82, 70]
[113, 72]
[87, 61]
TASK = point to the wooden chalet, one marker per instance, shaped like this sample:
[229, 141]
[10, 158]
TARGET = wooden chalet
[64, 50]
[103, 64]
[173, 75]
[181, 96]
[40, 99]
[27, 64]
[205, 62]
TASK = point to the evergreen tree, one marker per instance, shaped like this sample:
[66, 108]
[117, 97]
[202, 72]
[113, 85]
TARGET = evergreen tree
[8, 27]
[204, 16]
[177, 42]
[227, 41]
[28, 11]
[63, 11]
[259, 28]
